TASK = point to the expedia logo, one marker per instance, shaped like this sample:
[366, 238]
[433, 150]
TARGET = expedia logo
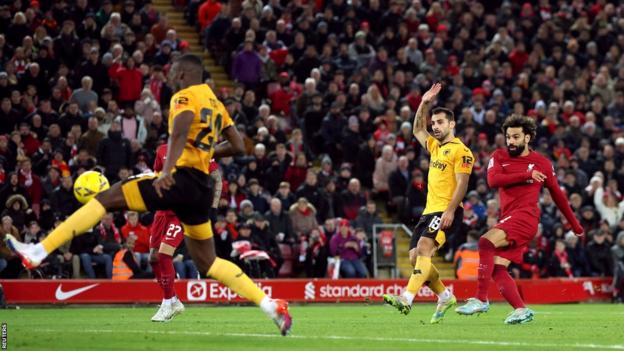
[439, 165]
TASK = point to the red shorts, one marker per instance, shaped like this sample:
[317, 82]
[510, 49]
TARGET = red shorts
[521, 228]
[167, 229]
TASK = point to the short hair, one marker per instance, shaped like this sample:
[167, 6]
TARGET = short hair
[450, 116]
[191, 61]
[519, 121]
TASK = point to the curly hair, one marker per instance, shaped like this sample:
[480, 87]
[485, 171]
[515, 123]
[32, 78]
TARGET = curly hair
[519, 121]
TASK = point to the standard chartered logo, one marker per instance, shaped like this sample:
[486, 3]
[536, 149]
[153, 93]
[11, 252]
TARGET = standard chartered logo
[310, 291]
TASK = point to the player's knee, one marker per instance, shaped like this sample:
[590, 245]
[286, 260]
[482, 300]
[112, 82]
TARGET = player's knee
[412, 256]
[485, 242]
[423, 251]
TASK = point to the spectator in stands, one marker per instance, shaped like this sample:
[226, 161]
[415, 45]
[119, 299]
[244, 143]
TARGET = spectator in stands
[574, 255]
[133, 126]
[63, 199]
[296, 172]
[109, 236]
[466, 260]
[384, 166]
[599, 255]
[247, 66]
[280, 225]
[260, 204]
[606, 203]
[559, 265]
[141, 244]
[285, 195]
[311, 190]
[113, 152]
[398, 182]
[91, 251]
[19, 212]
[348, 248]
[124, 264]
[11, 264]
[303, 217]
[352, 200]
[85, 94]
[367, 217]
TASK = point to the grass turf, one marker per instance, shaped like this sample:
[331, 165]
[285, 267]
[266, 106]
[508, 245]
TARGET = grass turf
[317, 327]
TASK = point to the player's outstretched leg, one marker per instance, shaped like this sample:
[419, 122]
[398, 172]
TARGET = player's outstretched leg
[79, 222]
[446, 299]
[422, 269]
[230, 275]
[508, 288]
[487, 249]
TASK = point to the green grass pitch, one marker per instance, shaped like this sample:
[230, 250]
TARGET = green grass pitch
[316, 327]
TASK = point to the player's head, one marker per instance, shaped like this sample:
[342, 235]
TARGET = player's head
[186, 70]
[519, 131]
[442, 123]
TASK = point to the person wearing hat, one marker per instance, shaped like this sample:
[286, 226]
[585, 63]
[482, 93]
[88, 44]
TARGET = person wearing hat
[363, 52]
[17, 209]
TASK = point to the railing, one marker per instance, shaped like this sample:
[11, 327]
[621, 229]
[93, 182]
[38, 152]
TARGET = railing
[380, 260]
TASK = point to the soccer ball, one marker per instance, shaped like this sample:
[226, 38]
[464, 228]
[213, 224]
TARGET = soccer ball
[88, 185]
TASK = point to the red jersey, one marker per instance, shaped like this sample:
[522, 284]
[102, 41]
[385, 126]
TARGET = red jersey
[519, 192]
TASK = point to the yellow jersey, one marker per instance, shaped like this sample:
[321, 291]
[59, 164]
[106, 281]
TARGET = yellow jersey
[211, 118]
[446, 161]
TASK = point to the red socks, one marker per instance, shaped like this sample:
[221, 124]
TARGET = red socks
[167, 275]
[486, 267]
[156, 270]
[507, 286]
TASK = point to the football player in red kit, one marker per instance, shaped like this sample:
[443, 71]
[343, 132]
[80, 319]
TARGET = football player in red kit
[519, 173]
[166, 234]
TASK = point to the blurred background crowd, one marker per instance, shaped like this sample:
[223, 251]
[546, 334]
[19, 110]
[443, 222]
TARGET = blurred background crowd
[324, 95]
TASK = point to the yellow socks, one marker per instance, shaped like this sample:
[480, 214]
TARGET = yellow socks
[420, 274]
[435, 284]
[233, 277]
[79, 222]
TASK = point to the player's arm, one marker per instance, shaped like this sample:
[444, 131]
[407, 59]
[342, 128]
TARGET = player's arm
[497, 178]
[562, 203]
[232, 146]
[177, 140]
[217, 181]
[420, 120]
[458, 196]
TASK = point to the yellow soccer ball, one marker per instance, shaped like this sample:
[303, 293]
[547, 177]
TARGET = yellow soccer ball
[88, 185]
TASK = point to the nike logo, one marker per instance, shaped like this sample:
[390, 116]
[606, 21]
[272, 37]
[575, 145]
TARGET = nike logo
[239, 274]
[64, 295]
[505, 164]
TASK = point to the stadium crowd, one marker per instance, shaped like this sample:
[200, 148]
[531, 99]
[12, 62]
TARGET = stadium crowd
[324, 97]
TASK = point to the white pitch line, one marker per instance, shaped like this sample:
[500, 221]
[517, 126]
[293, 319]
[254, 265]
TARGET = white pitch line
[351, 338]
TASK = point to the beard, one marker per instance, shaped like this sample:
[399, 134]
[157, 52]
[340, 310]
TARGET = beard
[515, 151]
[441, 136]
